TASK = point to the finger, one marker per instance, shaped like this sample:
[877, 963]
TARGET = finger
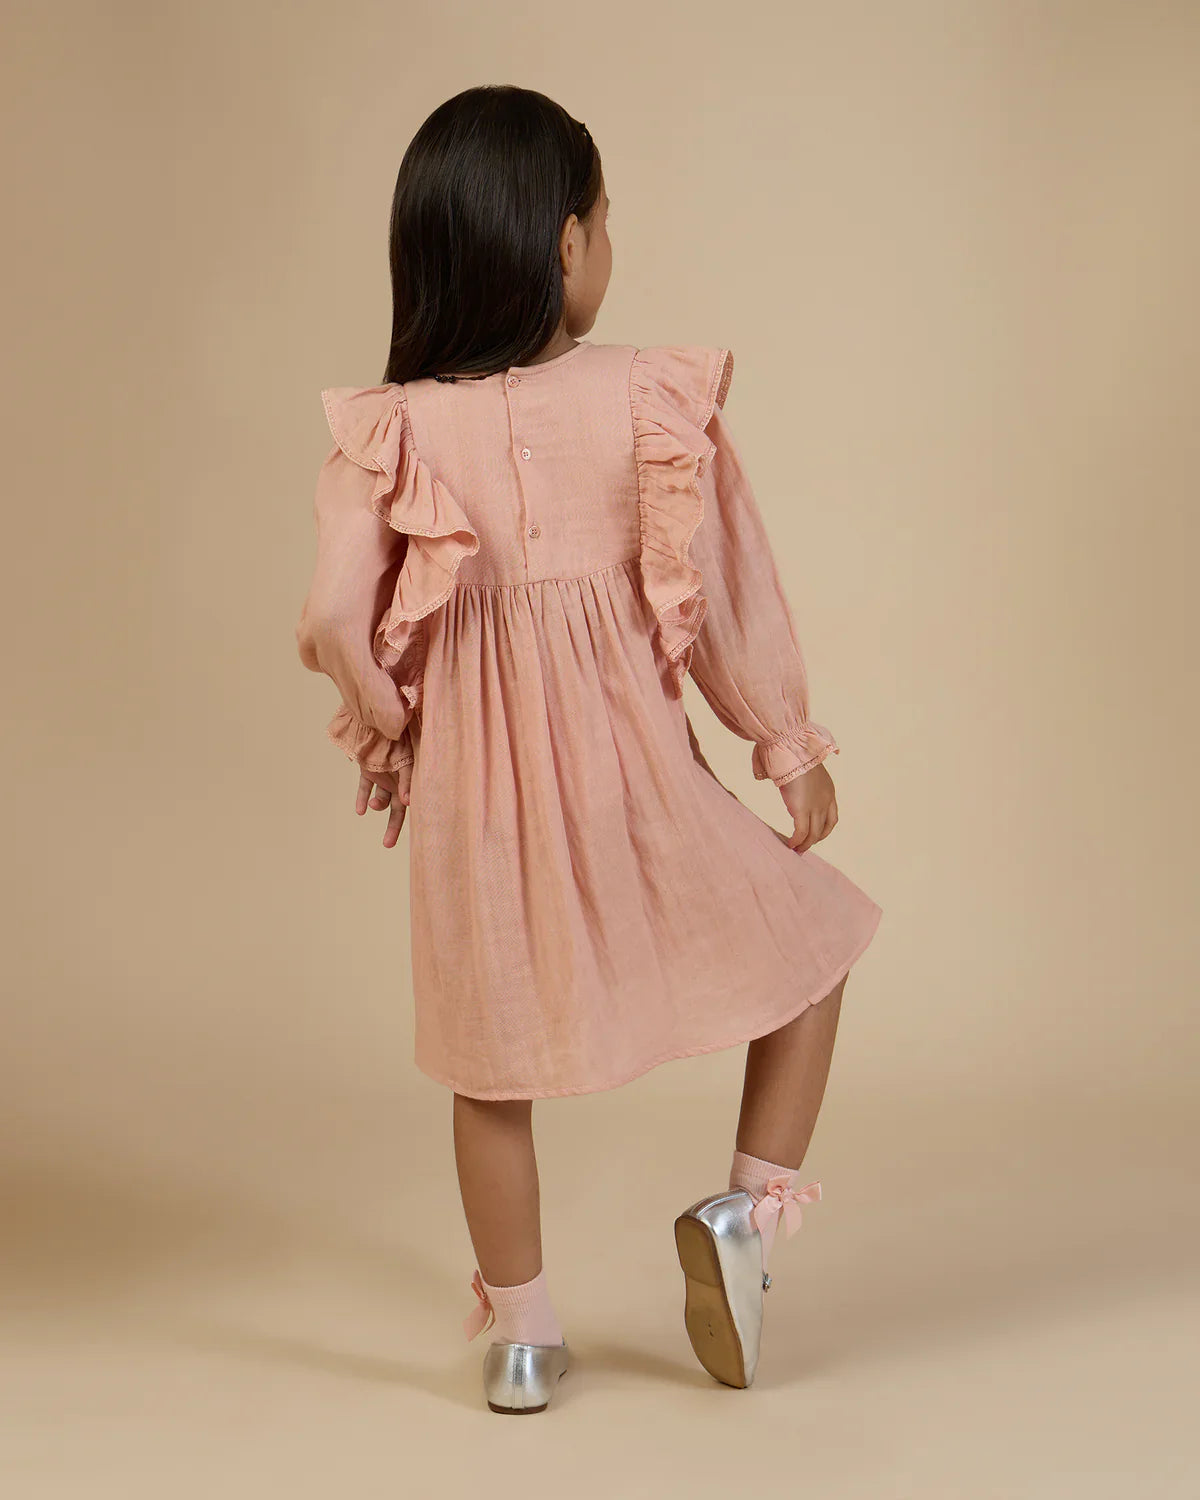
[380, 798]
[365, 788]
[814, 831]
[799, 838]
[395, 823]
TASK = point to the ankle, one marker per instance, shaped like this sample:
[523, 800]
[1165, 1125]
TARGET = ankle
[764, 1179]
[521, 1314]
[754, 1173]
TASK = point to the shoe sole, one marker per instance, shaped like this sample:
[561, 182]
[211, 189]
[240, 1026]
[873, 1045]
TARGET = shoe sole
[707, 1315]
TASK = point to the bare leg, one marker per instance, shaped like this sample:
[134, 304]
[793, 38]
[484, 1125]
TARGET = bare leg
[784, 1083]
[498, 1179]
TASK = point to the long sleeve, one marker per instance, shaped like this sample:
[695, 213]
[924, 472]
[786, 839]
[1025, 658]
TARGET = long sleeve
[746, 659]
[358, 559]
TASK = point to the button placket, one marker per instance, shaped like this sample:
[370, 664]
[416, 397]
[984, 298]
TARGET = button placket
[532, 529]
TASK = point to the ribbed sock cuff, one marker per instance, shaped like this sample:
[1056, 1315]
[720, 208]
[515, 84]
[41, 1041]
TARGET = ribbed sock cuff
[753, 1173]
[524, 1313]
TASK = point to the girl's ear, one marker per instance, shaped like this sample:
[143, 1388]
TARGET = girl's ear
[566, 245]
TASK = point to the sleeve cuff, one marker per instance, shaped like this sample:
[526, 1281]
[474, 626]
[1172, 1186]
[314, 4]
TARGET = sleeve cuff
[790, 755]
[372, 750]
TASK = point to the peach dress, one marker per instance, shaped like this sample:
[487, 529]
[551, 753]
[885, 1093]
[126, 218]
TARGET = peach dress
[514, 575]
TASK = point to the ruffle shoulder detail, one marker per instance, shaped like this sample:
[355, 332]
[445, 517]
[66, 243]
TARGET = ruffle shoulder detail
[372, 427]
[674, 390]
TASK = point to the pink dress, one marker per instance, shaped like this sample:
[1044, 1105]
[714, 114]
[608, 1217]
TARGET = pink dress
[514, 574]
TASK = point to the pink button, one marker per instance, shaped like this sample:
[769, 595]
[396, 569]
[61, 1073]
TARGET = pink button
[535, 530]
[514, 380]
[525, 453]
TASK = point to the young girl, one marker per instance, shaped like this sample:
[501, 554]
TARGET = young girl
[525, 541]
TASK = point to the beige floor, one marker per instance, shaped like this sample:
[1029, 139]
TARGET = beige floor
[1004, 1308]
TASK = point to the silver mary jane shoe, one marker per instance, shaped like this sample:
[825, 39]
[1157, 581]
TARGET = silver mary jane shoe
[720, 1251]
[521, 1378]
[517, 1378]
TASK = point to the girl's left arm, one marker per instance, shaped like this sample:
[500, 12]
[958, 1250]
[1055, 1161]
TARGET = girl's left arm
[358, 558]
[747, 660]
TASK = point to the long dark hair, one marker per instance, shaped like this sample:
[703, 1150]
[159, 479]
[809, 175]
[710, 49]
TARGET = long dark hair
[481, 197]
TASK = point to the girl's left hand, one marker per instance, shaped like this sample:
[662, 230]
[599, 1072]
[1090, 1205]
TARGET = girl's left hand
[383, 789]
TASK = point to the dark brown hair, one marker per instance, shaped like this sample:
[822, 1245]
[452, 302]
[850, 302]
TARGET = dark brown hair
[483, 191]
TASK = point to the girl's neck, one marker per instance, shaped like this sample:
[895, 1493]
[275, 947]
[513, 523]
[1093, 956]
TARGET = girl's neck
[559, 344]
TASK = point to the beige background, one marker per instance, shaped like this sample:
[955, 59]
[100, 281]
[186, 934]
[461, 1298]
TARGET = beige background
[954, 249]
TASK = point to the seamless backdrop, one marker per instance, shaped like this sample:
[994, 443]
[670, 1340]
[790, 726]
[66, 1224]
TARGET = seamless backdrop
[953, 248]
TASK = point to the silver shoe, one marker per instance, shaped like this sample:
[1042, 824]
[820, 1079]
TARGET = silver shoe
[521, 1378]
[720, 1251]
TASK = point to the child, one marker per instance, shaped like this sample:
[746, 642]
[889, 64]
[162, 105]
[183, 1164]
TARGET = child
[526, 540]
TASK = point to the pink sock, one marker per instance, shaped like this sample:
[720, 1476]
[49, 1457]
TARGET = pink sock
[523, 1313]
[753, 1174]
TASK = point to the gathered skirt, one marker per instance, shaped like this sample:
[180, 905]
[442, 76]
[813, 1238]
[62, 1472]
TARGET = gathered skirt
[587, 899]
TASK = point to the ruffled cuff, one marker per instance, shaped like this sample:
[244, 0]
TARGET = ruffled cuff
[369, 747]
[790, 755]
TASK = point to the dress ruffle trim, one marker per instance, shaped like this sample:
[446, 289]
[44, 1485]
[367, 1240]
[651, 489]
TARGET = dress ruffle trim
[372, 749]
[371, 425]
[673, 393]
[790, 755]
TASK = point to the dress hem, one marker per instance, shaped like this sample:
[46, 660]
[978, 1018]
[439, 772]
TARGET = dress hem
[825, 986]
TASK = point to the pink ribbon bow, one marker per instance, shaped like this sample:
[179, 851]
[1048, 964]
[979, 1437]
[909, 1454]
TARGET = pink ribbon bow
[781, 1197]
[483, 1314]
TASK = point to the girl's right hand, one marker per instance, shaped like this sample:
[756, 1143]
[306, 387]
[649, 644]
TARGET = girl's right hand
[811, 800]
